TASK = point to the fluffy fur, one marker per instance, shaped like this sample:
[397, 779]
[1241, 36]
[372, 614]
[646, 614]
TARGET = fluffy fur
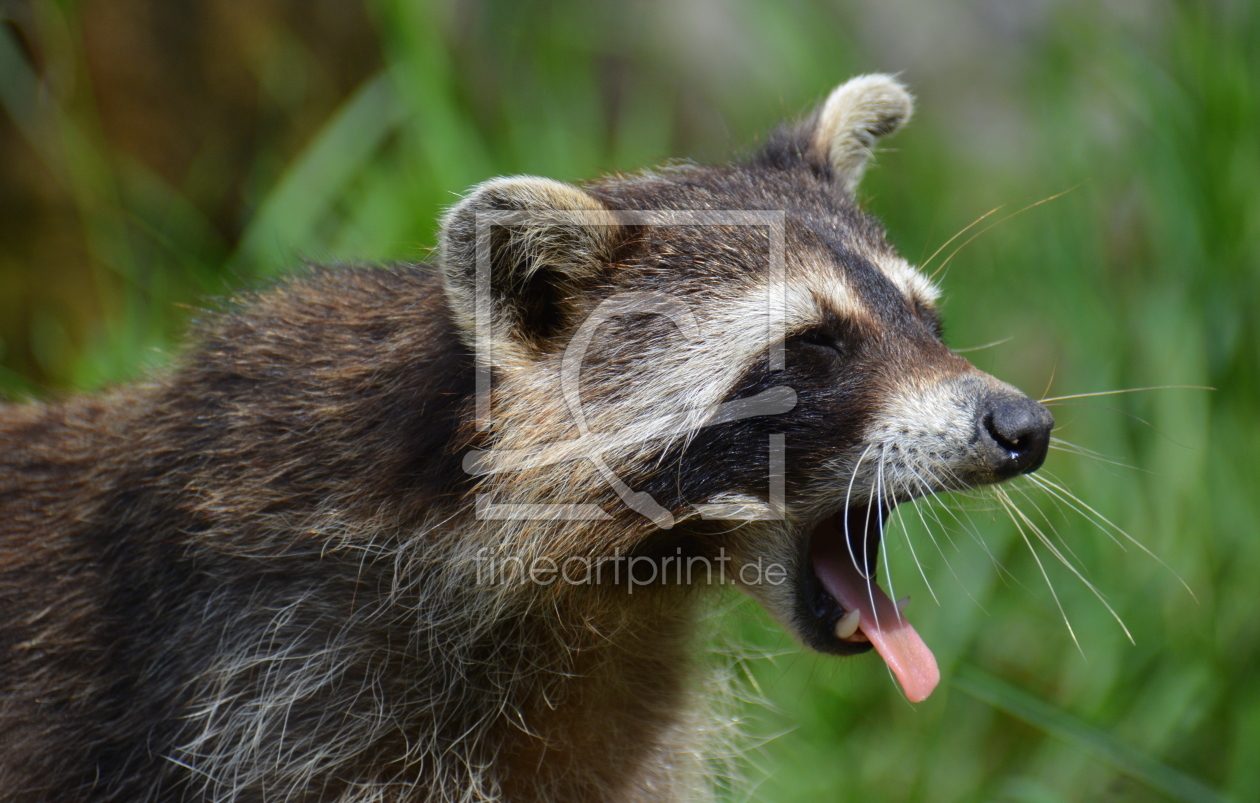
[265, 574]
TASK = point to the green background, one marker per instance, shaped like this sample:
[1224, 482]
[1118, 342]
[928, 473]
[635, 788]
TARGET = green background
[156, 156]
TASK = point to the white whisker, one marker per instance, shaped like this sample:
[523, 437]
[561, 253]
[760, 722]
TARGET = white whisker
[883, 542]
[1048, 544]
[926, 528]
[848, 498]
[1023, 491]
[1072, 500]
[910, 543]
[1006, 575]
[1071, 448]
[1045, 575]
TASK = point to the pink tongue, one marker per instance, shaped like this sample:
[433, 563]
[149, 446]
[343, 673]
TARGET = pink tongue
[910, 660]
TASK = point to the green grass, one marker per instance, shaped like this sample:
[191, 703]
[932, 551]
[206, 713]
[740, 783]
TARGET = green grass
[1145, 272]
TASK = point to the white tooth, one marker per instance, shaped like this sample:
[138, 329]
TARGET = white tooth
[901, 604]
[847, 625]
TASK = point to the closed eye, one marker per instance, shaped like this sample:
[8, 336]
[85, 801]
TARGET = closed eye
[832, 336]
[818, 338]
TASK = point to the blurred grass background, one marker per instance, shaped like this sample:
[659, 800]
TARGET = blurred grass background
[155, 155]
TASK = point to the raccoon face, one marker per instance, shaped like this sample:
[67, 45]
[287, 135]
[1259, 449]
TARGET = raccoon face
[732, 361]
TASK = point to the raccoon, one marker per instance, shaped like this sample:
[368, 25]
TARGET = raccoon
[444, 532]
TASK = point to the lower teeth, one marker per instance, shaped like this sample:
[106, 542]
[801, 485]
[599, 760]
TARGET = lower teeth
[847, 625]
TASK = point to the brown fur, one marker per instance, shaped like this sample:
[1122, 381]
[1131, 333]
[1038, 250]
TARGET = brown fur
[256, 575]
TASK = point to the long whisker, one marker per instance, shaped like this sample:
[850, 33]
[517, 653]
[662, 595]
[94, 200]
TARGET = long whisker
[912, 494]
[883, 542]
[1023, 491]
[1125, 390]
[910, 542]
[1125, 413]
[1046, 542]
[1050, 379]
[997, 222]
[985, 346]
[932, 506]
[918, 509]
[960, 233]
[973, 500]
[1075, 448]
[927, 489]
[848, 496]
[1084, 450]
[1072, 500]
[933, 502]
[1079, 453]
[1045, 576]
[934, 481]
[978, 495]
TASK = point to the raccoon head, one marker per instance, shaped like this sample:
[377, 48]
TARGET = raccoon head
[731, 362]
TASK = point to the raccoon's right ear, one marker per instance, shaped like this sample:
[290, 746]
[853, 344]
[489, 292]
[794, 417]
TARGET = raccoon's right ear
[851, 119]
[528, 244]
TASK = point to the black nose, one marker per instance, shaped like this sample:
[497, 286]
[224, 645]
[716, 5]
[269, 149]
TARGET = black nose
[1014, 434]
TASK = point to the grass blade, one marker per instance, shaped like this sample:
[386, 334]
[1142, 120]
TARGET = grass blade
[1082, 735]
[290, 212]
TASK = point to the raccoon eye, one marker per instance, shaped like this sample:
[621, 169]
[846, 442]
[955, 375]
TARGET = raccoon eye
[820, 339]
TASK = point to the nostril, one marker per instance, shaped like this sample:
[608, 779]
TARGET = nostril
[1012, 432]
[1020, 428]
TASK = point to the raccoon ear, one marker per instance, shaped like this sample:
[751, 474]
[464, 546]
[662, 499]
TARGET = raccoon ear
[533, 242]
[855, 114]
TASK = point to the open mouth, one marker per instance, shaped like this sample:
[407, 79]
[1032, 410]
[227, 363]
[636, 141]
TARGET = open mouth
[847, 611]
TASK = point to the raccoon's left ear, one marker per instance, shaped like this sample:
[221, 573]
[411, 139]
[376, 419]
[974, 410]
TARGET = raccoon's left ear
[528, 244]
[853, 117]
